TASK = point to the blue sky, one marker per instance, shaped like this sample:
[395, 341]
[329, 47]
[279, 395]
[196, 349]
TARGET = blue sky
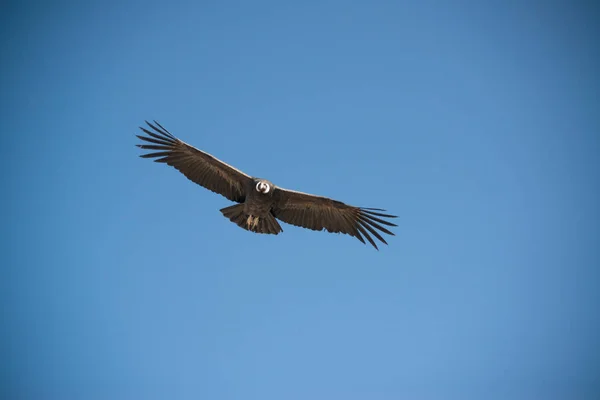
[476, 123]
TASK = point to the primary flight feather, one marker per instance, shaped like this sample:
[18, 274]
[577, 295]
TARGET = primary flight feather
[261, 203]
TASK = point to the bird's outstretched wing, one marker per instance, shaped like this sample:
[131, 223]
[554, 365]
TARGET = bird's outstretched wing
[318, 213]
[196, 165]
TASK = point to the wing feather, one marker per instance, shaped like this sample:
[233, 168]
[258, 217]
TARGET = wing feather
[321, 213]
[198, 166]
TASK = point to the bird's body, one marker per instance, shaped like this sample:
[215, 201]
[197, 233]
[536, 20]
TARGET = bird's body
[255, 213]
[261, 203]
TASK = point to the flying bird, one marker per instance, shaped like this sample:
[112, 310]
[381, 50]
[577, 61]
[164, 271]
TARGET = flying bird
[261, 203]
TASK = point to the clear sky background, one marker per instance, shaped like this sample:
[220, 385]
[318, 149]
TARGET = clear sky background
[477, 123]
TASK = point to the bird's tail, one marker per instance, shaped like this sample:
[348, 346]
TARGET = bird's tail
[237, 215]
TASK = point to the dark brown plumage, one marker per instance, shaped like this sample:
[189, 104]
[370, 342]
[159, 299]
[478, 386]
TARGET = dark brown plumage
[261, 202]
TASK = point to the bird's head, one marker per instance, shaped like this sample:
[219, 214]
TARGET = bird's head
[263, 186]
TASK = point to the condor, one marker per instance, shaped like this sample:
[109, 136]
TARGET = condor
[261, 203]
